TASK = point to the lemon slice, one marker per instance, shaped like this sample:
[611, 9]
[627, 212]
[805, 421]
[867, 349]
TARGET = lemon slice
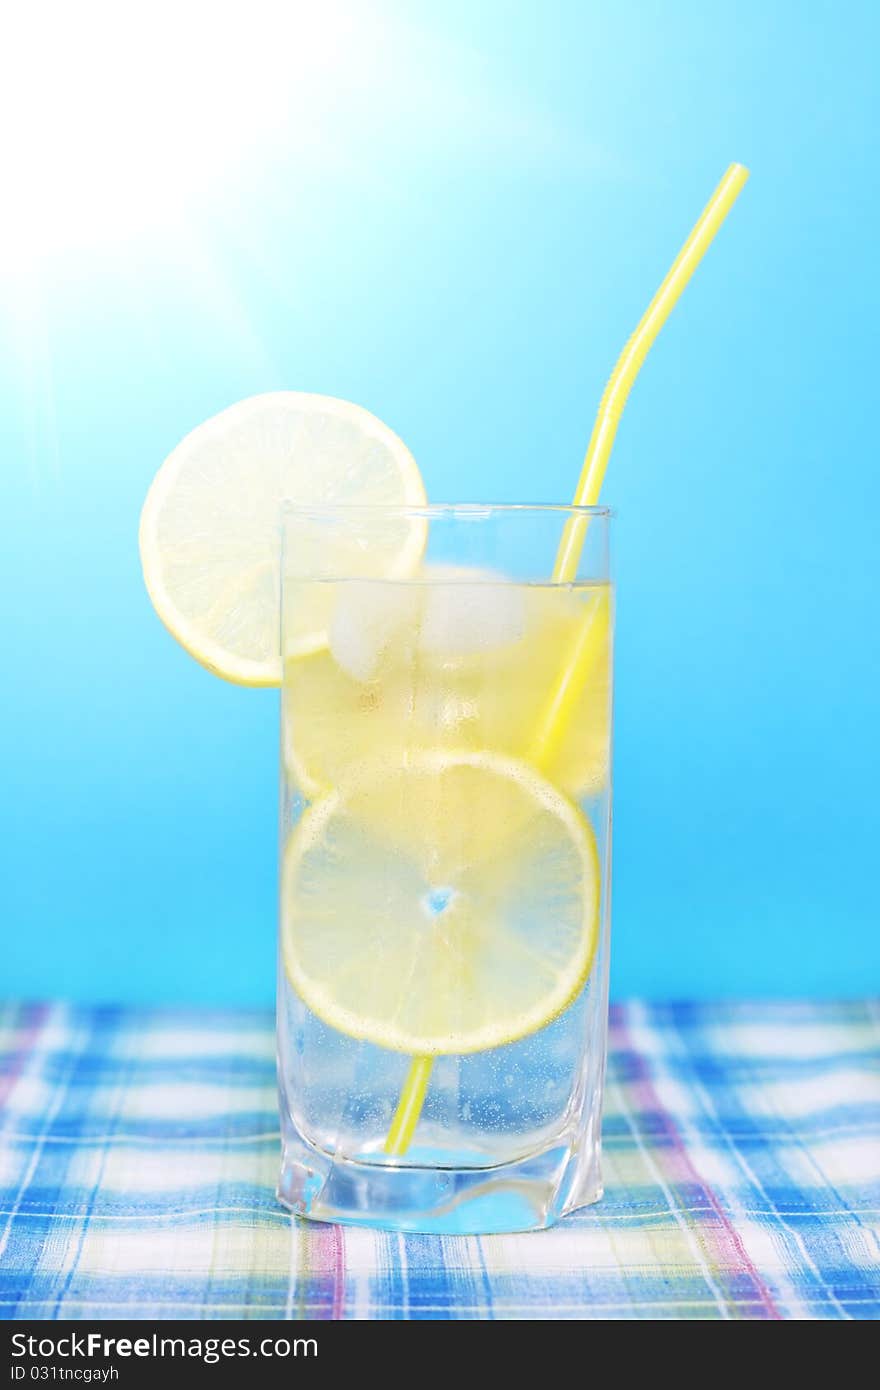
[211, 524]
[446, 904]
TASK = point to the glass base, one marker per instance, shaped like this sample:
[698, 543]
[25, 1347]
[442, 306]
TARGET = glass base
[527, 1195]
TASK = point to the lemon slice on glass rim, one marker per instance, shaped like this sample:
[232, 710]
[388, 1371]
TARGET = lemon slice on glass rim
[210, 526]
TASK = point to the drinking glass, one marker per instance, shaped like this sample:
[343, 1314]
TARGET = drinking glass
[445, 864]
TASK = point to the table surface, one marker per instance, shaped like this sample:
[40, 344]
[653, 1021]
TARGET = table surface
[139, 1149]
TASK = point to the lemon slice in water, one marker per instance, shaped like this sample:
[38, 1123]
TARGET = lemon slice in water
[444, 904]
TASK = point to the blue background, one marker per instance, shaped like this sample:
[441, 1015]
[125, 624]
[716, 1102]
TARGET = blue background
[463, 247]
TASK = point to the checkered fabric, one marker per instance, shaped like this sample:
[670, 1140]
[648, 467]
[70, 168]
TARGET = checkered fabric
[139, 1149]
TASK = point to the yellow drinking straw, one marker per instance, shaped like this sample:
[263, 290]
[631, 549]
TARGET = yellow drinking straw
[575, 670]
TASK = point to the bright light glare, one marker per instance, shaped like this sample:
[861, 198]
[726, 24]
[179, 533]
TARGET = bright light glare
[116, 118]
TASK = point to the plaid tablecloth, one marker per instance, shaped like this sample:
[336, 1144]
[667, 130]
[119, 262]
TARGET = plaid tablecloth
[138, 1156]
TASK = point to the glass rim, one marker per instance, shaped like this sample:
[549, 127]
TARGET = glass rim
[467, 511]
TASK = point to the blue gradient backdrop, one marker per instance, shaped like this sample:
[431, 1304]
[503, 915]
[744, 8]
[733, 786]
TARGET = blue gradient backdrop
[465, 254]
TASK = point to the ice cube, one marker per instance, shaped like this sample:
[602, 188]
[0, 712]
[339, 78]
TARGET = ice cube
[369, 616]
[470, 610]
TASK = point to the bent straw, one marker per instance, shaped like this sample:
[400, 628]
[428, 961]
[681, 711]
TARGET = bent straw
[588, 644]
[627, 367]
